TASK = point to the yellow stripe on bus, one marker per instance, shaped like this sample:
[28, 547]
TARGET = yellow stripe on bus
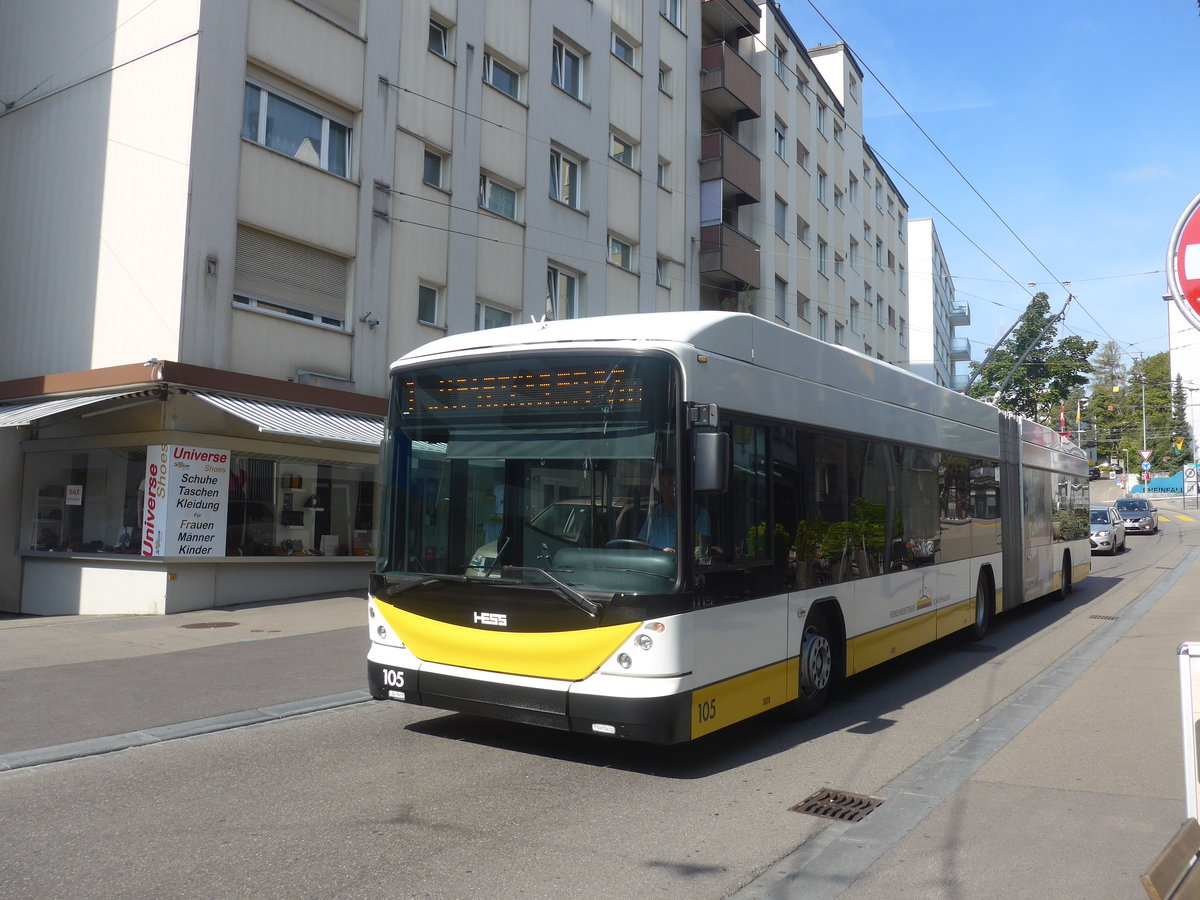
[879, 646]
[727, 702]
[563, 655]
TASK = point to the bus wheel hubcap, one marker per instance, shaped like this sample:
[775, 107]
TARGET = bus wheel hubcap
[816, 662]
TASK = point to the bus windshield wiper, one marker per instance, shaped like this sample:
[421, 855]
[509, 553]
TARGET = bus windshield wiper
[398, 587]
[564, 590]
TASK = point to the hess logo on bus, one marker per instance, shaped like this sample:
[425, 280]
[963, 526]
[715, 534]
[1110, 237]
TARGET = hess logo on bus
[487, 618]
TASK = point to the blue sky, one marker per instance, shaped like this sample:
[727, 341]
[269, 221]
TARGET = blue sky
[1077, 121]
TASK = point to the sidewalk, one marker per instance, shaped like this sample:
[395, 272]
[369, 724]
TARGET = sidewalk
[74, 685]
[1070, 788]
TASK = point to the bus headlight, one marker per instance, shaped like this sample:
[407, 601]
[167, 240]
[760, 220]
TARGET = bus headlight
[625, 660]
[644, 641]
[382, 632]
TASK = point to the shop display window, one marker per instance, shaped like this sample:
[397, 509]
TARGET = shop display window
[91, 501]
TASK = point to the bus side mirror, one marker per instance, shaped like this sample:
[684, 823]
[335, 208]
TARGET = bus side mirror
[712, 460]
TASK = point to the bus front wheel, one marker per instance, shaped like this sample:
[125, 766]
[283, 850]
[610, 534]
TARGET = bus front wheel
[816, 666]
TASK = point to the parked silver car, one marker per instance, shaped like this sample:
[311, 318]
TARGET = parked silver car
[1140, 515]
[1108, 530]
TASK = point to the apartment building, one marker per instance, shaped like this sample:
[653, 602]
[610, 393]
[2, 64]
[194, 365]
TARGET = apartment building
[235, 214]
[935, 313]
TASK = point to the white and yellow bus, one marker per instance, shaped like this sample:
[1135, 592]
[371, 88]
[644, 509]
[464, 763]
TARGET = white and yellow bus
[656, 526]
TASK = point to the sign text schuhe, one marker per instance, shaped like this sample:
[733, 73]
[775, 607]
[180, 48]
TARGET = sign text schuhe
[184, 513]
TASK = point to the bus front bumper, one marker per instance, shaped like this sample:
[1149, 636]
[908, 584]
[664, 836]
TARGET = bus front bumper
[653, 719]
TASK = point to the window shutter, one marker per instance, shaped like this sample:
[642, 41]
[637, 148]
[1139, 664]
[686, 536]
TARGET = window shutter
[344, 12]
[291, 274]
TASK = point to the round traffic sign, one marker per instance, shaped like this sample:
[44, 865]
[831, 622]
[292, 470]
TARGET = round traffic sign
[1145, 467]
[1183, 263]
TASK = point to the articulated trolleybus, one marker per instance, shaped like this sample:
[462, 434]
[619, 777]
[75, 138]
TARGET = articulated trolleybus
[655, 526]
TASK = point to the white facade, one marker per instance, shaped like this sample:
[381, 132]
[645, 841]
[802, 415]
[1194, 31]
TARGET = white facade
[934, 311]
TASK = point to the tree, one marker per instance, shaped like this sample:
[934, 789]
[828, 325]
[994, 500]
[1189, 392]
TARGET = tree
[1029, 373]
[1183, 449]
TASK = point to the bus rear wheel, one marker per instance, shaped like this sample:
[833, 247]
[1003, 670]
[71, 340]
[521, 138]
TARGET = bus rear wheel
[816, 666]
[985, 606]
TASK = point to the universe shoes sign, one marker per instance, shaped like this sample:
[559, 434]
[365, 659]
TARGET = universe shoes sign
[184, 510]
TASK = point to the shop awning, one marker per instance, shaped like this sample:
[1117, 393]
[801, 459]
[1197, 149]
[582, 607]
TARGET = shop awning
[299, 421]
[28, 413]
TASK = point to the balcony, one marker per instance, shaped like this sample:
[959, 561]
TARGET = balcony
[729, 86]
[960, 349]
[960, 313]
[958, 381]
[723, 157]
[732, 18]
[727, 257]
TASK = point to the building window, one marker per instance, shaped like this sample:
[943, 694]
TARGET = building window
[439, 39]
[780, 217]
[903, 280]
[662, 269]
[780, 138]
[622, 151]
[879, 252]
[803, 306]
[497, 197]
[501, 77]
[624, 51]
[429, 304]
[839, 265]
[903, 335]
[802, 155]
[900, 225]
[567, 70]
[839, 333]
[822, 117]
[822, 325]
[781, 288]
[879, 195]
[854, 254]
[837, 133]
[853, 190]
[565, 180]
[879, 310]
[487, 316]
[620, 253]
[285, 278]
[892, 316]
[435, 169]
[301, 132]
[780, 60]
[672, 11]
[854, 323]
[803, 231]
[562, 293]
[839, 199]
[664, 174]
[822, 187]
[822, 256]
[664, 79]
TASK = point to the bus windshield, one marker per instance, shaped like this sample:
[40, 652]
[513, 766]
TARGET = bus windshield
[539, 469]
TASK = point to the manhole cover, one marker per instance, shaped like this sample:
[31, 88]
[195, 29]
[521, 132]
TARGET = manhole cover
[209, 625]
[841, 805]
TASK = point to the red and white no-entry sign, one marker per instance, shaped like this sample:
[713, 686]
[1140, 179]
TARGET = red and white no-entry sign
[1183, 263]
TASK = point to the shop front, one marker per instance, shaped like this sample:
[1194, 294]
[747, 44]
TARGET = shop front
[189, 489]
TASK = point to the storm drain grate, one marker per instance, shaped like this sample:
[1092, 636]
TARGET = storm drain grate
[1105, 618]
[841, 805]
[209, 625]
